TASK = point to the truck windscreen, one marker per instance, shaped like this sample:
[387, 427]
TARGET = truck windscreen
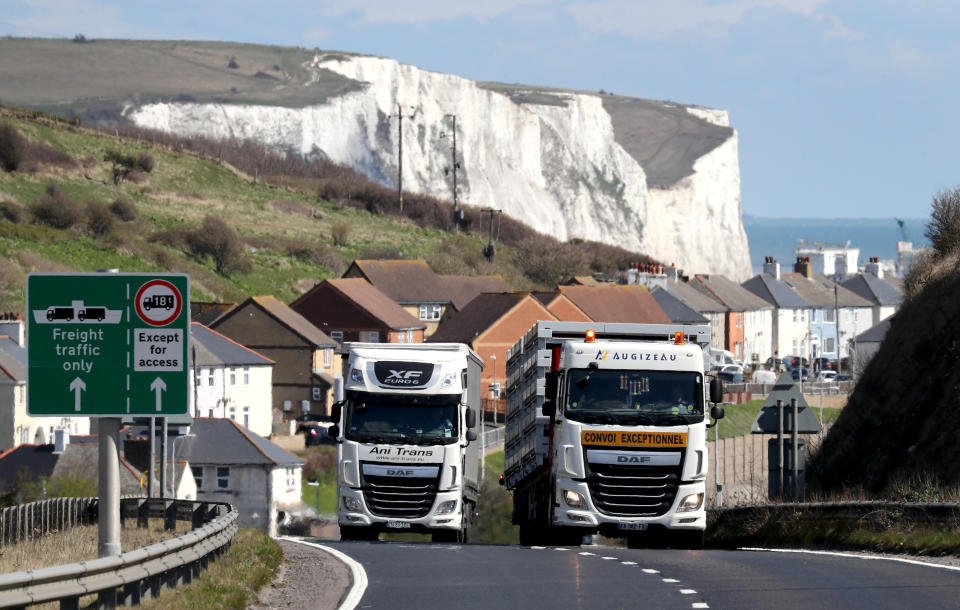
[372, 418]
[664, 398]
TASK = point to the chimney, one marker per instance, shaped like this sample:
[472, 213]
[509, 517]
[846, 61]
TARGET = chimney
[671, 272]
[61, 438]
[632, 274]
[803, 266]
[651, 275]
[874, 267]
[771, 267]
[11, 324]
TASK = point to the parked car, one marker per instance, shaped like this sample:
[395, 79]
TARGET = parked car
[315, 434]
[307, 420]
[800, 374]
[762, 376]
[776, 364]
[827, 376]
[824, 364]
[844, 377]
[732, 368]
[730, 376]
[796, 361]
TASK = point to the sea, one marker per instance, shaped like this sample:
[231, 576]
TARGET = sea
[777, 237]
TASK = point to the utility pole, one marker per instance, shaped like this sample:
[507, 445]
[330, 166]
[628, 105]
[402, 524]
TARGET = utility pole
[489, 250]
[400, 152]
[454, 166]
[836, 317]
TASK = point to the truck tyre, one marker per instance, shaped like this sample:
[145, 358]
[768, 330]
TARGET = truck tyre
[530, 534]
[466, 524]
[565, 536]
[687, 539]
[357, 533]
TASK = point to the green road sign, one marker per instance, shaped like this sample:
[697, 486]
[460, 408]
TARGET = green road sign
[107, 344]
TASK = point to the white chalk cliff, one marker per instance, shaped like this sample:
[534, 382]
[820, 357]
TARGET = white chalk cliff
[569, 164]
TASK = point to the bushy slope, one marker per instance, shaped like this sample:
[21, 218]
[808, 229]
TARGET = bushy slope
[903, 420]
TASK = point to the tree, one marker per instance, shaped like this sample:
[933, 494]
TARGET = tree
[12, 146]
[122, 165]
[943, 230]
[217, 240]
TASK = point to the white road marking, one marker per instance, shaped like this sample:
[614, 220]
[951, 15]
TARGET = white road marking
[608, 558]
[560, 548]
[670, 580]
[700, 605]
[359, 575]
[687, 591]
[586, 553]
[539, 548]
[629, 563]
[855, 556]
[649, 571]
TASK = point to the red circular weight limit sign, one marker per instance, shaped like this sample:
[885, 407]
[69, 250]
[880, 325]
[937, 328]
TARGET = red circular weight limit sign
[158, 303]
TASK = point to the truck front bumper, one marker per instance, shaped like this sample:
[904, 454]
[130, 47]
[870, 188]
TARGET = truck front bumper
[362, 517]
[587, 516]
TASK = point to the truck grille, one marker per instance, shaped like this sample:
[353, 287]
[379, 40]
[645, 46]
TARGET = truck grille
[633, 491]
[404, 497]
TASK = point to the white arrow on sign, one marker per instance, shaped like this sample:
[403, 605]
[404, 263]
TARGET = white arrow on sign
[77, 386]
[158, 386]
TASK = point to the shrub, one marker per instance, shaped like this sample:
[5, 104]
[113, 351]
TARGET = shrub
[12, 146]
[37, 154]
[340, 232]
[217, 240]
[232, 64]
[121, 165]
[79, 38]
[12, 211]
[145, 162]
[100, 220]
[124, 209]
[56, 209]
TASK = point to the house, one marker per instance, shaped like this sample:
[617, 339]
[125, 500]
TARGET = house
[827, 301]
[423, 294]
[305, 367]
[232, 464]
[710, 308]
[867, 344]
[230, 380]
[678, 311]
[560, 306]
[491, 324]
[16, 426]
[748, 321]
[31, 462]
[616, 303]
[791, 326]
[884, 296]
[353, 309]
[207, 313]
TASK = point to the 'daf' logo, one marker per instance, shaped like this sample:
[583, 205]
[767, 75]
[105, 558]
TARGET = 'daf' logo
[601, 355]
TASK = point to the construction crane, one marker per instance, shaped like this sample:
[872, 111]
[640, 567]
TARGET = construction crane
[903, 229]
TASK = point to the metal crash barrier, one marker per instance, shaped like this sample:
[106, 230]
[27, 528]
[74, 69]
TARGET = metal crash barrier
[134, 575]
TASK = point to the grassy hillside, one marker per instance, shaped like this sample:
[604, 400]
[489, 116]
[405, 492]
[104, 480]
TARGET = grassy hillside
[897, 435]
[294, 228]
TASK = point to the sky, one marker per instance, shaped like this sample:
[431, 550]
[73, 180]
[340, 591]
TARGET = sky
[844, 108]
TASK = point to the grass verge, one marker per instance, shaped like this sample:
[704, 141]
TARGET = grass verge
[737, 419]
[233, 581]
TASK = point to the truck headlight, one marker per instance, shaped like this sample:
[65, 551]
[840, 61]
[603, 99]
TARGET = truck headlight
[351, 503]
[691, 503]
[447, 507]
[573, 499]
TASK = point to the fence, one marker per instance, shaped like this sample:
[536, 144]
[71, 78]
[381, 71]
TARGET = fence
[131, 576]
[27, 521]
[492, 437]
[743, 466]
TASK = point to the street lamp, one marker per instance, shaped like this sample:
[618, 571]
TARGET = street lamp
[173, 466]
[494, 390]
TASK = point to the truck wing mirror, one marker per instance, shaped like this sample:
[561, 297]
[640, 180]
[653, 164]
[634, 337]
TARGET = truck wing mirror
[333, 431]
[716, 390]
[549, 407]
[471, 435]
[336, 411]
[716, 412]
[471, 419]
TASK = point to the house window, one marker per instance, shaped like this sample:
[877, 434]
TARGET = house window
[829, 345]
[327, 357]
[401, 337]
[410, 336]
[198, 476]
[291, 478]
[337, 335]
[223, 477]
[246, 375]
[828, 315]
[210, 377]
[794, 315]
[246, 417]
[370, 336]
[209, 412]
[233, 413]
[233, 376]
[429, 312]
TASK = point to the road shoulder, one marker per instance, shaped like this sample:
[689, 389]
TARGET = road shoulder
[308, 578]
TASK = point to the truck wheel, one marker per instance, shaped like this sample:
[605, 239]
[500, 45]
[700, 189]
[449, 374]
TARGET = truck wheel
[565, 536]
[530, 534]
[445, 536]
[466, 525]
[357, 533]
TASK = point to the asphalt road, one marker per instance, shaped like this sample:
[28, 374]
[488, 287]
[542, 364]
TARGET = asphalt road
[425, 575]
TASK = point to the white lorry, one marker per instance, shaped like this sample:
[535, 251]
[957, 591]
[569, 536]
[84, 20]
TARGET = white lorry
[408, 455]
[606, 432]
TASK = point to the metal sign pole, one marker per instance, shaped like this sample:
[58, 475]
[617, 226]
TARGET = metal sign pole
[108, 487]
[151, 461]
[716, 462]
[780, 448]
[163, 458]
[796, 453]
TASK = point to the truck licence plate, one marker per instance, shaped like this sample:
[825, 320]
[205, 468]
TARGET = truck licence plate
[624, 525]
[398, 525]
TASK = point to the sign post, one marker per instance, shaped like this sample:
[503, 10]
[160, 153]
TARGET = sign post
[108, 345]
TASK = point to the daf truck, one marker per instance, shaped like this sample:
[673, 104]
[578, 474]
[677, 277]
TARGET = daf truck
[607, 432]
[408, 454]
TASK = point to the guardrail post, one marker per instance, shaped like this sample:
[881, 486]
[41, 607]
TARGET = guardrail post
[169, 516]
[143, 513]
[70, 603]
[199, 515]
[107, 599]
[131, 593]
